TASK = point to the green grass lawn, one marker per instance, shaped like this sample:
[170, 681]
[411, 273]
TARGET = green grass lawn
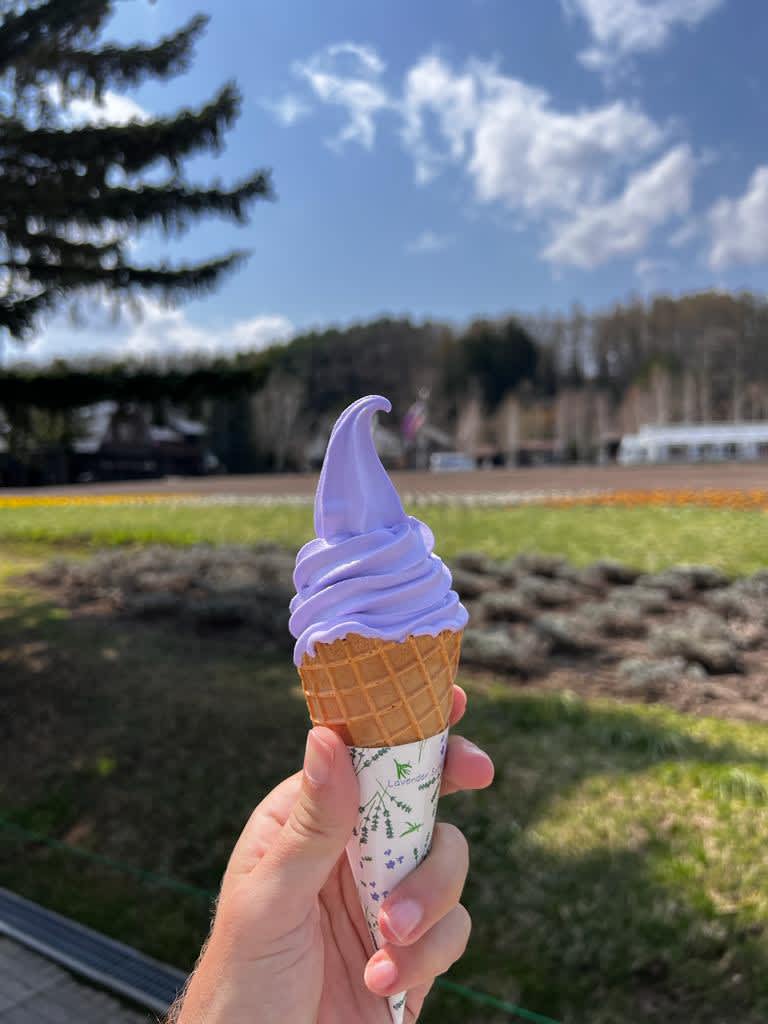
[618, 871]
[651, 538]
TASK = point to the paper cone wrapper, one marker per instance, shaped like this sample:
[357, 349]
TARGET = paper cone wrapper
[399, 790]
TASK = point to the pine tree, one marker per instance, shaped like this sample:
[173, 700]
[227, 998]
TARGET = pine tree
[71, 195]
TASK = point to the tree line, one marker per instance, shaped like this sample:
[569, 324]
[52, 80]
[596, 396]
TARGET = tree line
[574, 378]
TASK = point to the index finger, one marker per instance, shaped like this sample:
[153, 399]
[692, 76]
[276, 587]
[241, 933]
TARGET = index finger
[459, 705]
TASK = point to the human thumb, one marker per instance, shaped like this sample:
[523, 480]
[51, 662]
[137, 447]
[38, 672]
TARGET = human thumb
[318, 827]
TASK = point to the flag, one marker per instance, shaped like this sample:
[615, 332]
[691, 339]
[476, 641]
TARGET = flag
[414, 420]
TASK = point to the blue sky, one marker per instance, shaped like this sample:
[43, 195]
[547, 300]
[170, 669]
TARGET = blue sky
[451, 158]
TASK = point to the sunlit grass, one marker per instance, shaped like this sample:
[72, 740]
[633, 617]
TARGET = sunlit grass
[618, 872]
[649, 537]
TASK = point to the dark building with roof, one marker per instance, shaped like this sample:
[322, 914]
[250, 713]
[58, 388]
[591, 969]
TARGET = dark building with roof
[115, 442]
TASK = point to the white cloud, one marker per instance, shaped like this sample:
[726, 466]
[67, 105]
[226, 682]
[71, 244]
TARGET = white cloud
[514, 144]
[158, 332]
[623, 225]
[686, 233]
[113, 108]
[534, 157]
[259, 332]
[556, 167]
[563, 169]
[739, 227]
[430, 241]
[164, 331]
[365, 55]
[624, 27]
[288, 109]
[347, 75]
[431, 87]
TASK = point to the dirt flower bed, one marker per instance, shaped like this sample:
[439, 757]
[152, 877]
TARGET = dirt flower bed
[689, 637]
[200, 587]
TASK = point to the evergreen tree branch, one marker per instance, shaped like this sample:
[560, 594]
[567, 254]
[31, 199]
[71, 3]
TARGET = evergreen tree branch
[62, 21]
[19, 315]
[169, 206]
[46, 247]
[61, 386]
[84, 71]
[131, 147]
[190, 278]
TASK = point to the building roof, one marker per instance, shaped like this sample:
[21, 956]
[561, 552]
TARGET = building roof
[164, 435]
[96, 420]
[700, 433]
[187, 427]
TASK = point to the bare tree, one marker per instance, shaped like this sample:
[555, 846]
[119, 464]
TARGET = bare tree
[470, 426]
[275, 418]
[508, 427]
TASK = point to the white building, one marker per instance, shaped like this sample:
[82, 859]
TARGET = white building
[695, 442]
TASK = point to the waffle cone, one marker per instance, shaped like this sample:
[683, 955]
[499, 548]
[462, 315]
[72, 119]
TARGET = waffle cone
[380, 693]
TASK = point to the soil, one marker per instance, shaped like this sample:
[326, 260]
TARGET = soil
[674, 638]
[742, 697]
[733, 476]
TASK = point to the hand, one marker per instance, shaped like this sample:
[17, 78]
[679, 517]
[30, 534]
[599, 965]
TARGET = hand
[289, 943]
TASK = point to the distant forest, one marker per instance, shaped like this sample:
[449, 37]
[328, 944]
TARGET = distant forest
[577, 380]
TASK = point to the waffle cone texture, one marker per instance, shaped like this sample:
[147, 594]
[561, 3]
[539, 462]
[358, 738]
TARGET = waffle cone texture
[380, 693]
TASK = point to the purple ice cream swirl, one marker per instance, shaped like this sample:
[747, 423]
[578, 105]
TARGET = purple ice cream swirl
[371, 569]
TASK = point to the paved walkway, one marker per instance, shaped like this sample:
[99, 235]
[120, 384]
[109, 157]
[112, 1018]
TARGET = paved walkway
[738, 476]
[35, 991]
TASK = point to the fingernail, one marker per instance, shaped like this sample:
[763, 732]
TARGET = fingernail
[380, 974]
[318, 759]
[403, 918]
[471, 748]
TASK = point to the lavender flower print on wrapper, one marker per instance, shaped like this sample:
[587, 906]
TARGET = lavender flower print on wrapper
[396, 818]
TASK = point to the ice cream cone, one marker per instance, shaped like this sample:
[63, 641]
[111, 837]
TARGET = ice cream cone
[378, 633]
[381, 693]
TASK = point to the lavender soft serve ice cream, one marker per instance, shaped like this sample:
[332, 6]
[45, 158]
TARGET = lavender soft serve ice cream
[371, 570]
